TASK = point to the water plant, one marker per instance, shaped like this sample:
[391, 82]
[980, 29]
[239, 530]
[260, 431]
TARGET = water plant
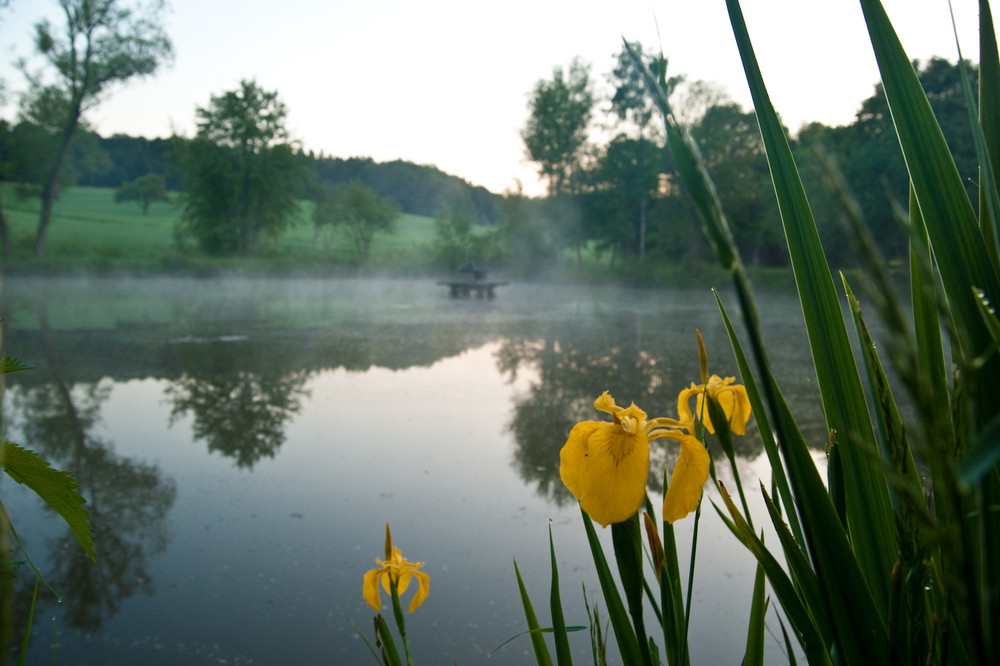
[58, 489]
[892, 558]
[395, 573]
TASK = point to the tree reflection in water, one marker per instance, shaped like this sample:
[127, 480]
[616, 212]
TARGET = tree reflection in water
[128, 500]
[241, 401]
[573, 367]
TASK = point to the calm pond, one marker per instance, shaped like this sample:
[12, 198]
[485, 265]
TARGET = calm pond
[241, 444]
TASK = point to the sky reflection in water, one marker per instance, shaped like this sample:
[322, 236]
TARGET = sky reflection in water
[242, 444]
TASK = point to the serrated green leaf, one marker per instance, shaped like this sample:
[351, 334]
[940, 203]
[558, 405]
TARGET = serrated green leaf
[56, 488]
[10, 364]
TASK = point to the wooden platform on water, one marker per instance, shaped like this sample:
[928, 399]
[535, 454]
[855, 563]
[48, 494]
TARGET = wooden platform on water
[464, 289]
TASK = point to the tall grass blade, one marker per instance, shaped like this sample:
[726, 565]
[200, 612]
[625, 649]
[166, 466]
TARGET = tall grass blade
[385, 643]
[963, 261]
[798, 613]
[563, 654]
[989, 111]
[858, 625]
[627, 539]
[868, 510]
[628, 644]
[763, 423]
[542, 656]
[802, 573]
[754, 654]
[895, 447]
[989, 201]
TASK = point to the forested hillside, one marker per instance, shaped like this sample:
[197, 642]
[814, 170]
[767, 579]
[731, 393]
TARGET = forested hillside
[112, 161]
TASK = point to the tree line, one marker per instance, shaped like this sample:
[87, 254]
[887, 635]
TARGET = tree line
[620, 196]
[612, 189]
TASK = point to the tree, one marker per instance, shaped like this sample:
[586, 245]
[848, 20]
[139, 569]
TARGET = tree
[103, 43]
[556, 133]
[633, 103]
[144, 190]
[359, 209]
[623, 184]
[556, 138]
[241, 173]
[730, 141]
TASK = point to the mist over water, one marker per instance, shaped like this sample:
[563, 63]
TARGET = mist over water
[241, 443]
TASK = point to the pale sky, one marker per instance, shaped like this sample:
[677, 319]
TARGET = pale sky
[447, 82]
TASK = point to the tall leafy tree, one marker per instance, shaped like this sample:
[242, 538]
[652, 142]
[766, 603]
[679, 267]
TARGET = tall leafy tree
[622, 187]
[241, 172]
[555, 135]
[101, 43]
[730, 141]
[144, 190]
[361, 211]
[631, 103]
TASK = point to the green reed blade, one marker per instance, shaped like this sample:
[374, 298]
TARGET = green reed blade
[537, 640]
[869, 513]
[801, 571]
[932, 368]
[798, 614]
[763, 424]
[858, 624]
[389, 652]
[963, 261]
[754, 654]
[563, 654]
[895, 447]
[989, 111]
[628, 644]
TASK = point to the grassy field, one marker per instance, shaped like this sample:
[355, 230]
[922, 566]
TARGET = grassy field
[90, 232]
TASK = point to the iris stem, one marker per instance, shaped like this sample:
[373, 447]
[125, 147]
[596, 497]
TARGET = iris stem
[397, 611]
[685, 657]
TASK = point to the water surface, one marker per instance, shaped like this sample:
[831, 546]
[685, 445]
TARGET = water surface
[242, 443]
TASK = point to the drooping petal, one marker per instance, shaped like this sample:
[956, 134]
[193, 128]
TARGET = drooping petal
[573, 456]
[614, 475]
[684, 414]
[739, 408]
[370, 588]
[605, 403]
[690, 474]
[423, 589]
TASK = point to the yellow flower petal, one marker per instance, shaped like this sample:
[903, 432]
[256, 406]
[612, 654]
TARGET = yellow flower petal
[690, 474]
[573, 456]
[423, 589]
[684, 414]
[370, 588]
[614, 474]
[605, 403]
[395, 569]
[739, 409]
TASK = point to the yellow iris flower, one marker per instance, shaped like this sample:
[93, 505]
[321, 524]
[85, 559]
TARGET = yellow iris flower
[731, 397]
[395, 569]
[605, 464]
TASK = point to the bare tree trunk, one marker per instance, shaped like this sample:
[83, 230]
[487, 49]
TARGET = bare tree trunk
[642, 229]
[4, 235]
[52, 184]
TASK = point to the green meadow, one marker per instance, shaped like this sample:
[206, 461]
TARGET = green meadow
[91, 233]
